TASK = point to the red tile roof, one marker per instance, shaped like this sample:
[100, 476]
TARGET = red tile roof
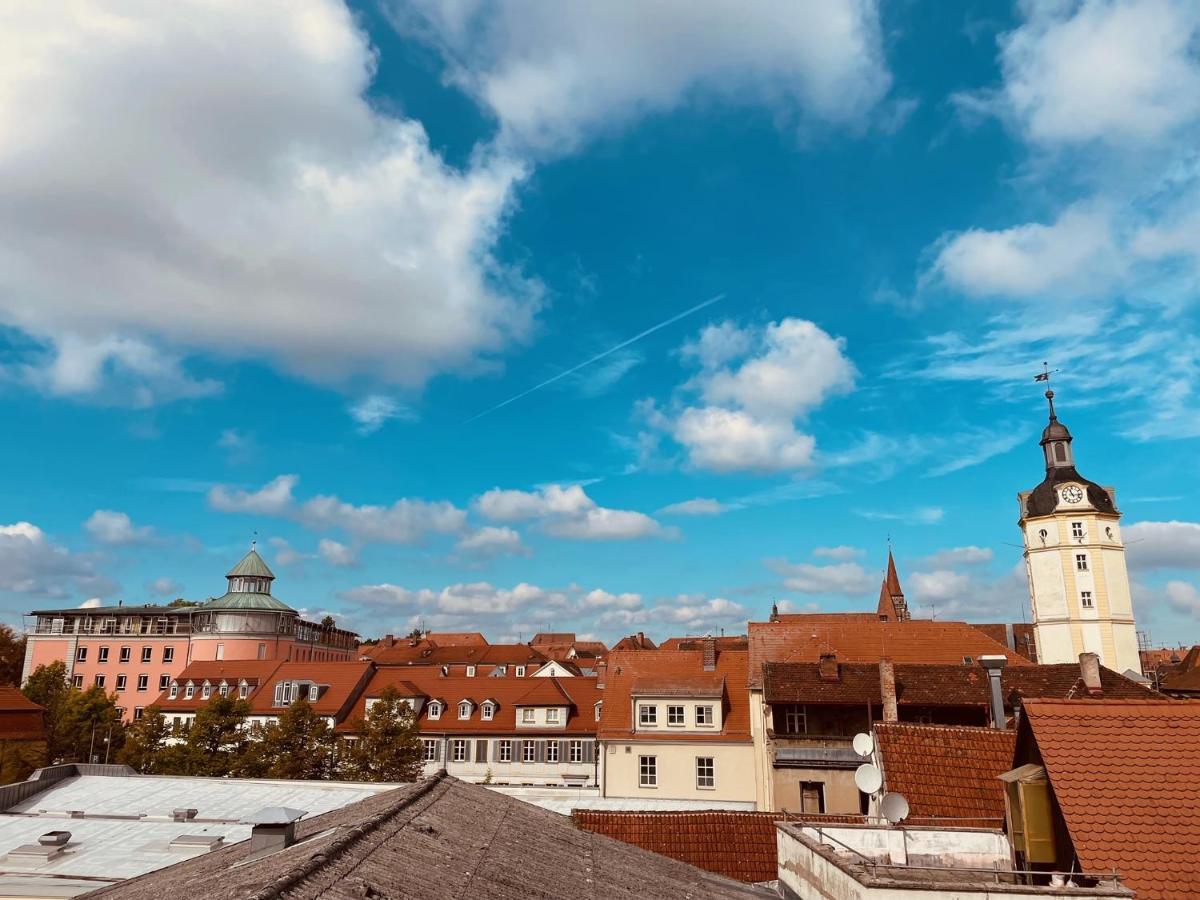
[947, 772]
[730, 642]
[627, 667]
[1126, 776]
[428, 653]
[706, 685]
[637, 641]
[20, 718]
[866, 639]
[457, 638]
[233, 671]
[552, 637]
[343, 680]
[1184, 677]
[1022, 636]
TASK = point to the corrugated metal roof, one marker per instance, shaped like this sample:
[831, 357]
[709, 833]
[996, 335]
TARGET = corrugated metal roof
[247, 600]
[252, 566]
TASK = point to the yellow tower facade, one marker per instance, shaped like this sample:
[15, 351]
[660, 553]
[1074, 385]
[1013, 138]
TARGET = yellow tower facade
[1075, 562]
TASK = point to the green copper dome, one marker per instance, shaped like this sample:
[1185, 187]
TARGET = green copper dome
[251, 566]
[248, 601]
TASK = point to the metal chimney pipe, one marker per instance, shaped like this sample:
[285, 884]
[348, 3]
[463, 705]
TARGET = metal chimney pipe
[994, 666]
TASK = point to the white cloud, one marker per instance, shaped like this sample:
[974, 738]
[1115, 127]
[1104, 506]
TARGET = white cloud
[958, 556]
[845, 578]
[567, 511]
[598, 599]
[91, 603]
[285, 553]
[840, 553]
[1183, 597]
[697, 506]
[920, 515]
[31, 564]
[243, 198]
[492, 541]
[555, 73]
[116, 529]
[753, 385]
[164, 587]
[475, 599]
[939, 586]
[1162, 545]
[337, 554]
[373, 411]
[406, 521]
[971, 595]
[691, 613]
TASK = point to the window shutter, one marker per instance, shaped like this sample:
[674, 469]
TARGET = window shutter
[589, 751]
[541, 751]
[563, 752]
[437, 751]
[518, 751]
[481, 751]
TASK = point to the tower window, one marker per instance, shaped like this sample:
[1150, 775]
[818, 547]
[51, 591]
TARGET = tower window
[1085, 599]
[1081, 562]
[1060, 452]
[1077, 530]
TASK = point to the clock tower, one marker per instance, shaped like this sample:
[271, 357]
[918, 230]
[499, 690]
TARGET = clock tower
[1075, 562]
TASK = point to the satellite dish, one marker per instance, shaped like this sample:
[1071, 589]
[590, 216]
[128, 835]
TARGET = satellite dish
[894, 807]
[863, 744]
[867, 778]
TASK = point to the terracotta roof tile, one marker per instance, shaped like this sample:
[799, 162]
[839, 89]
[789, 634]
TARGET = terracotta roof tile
[947, 772]
[1126, 775]
[234, 671]
[730, 642]
[12, 700]
[702, 685]
[343, 680]
[457, 638]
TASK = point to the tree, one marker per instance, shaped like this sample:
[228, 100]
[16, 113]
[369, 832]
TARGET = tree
[300, 745]
[48, 687]
[179, 601]
[328, 622]
[145, 743]
[88, 727]
[216, 739]
[12, 655]
[388, 747]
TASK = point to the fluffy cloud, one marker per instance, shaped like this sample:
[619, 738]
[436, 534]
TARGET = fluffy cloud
[567, 511]
[243, 197]
[693, 614]
[1183, 597]
[1162, 545]
[116, 529]
[752, 387]
[698, 506]
[599, 599]
[164, 587]
[336, 554]
[470, 600]
[970, 594]
[846, 578]
[920, 515]
[32, 565]
[840, 553]
[285, 553]
[404, 522]
[554, 73]
[958, 556]
[492, 541]
[373, 411]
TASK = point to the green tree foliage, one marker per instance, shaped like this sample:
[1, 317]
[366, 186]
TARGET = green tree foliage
[88, 727]
[179, 601]
[328, 622]
[388, 747]
[48, 686]
[146, 743]
[299, 745]
[12, 655]
[215, 742]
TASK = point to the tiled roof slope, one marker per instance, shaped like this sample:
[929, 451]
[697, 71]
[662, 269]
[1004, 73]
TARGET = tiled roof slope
[254, 671]
[1186, 674]
[345, 680]
[20, 718]
[862, 639]
[637, 641]
[937, 685]
[625, 667]
[730, 642]
[457, 638]
[1022, 636]
[1126, 775]
[437, 840]
[430, 653]
[947, 772]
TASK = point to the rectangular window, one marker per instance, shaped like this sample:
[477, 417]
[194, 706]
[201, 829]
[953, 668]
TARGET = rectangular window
[168, 654]
[223, 690]
[77, 681]
[464, 710]
[206, 691]
[528, 752]
[812, 797]
[243, 690]
[121, 680]
[470, 671]
[102, 655]
[147, 652]
[552, 751]
[527, 715]
[1085, 599]
[121, 686]
[648, 771]
[575, 749]
[704, 715]
[429, 750]
[795, 720]
[648, 715]
[126, 652]
[520, 671]
[262, 651]
[100, 681]
[81, 654]
[674, 715]
[552, 715]
[706, 772]
[163, 681]
[1077, 530]
[138, 711]
[458, 750]
[314, 691]
[143, 682]
[487, 712]
[1081, 563]
[504, 751]
[220, 651]
[189, 691]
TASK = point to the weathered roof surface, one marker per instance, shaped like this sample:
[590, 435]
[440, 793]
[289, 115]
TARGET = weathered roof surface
[431, 653]
[723, 642]
[20, 718]
[254, 672]
[936, 685]
[544, 692]
[1043, 499]
[247, 600]
[627, 667]
[438, 840]
[12, 700]
[692, 685]
[343, 683]
[1021, 634]
[637, 641]
[552, 637]
[1185, 677]
[947, 772]
[859, 638]
[1126, 775]
[457, 638]
[251, 566]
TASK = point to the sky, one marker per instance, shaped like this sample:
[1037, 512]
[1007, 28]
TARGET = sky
[595, 317]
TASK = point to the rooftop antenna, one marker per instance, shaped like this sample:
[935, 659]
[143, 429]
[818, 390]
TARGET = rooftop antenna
[894, 807]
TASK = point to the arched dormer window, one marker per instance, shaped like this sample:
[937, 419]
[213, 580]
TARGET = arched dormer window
[435, 710]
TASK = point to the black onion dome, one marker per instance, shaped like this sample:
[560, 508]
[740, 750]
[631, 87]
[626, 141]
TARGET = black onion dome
[1043, 499]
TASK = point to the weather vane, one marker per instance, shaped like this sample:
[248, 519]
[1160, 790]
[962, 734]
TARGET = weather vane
[1044, 375]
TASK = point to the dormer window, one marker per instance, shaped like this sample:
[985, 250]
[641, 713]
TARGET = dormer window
[464, 709]
[223, 690]
[552, 715]
[206, 691]
[599, 706]
[435, 710]
[470, 671]
[189, 691]
[520, 671]
[314, 691]
[174, 691]
[243, 690]
[488, 711]
[527, 715]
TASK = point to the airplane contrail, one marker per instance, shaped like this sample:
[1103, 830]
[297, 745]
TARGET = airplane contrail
[599, 356]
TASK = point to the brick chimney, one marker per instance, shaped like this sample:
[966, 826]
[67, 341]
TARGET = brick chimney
[887, 689]
[389, 641]
[828, 667]
[1089, 670]
[710, 654]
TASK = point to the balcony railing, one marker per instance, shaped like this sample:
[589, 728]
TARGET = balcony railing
[818, 757]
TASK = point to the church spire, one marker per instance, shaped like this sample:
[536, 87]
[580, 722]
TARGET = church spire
[892, 605]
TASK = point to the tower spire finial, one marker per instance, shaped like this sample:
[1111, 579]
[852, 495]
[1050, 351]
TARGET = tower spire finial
[1044, 375]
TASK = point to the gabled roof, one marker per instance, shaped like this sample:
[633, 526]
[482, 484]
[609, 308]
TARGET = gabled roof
[637, 641]
[12, 700]
[457, 638]
[947, 772]
[253, 671]
[430, 653]
[1126, 776]
[1185, 677]
[454, 850]
[251, 566]
[553, 637]
[677, 668]
[864, 638]
[705, 685]
[344, 682]
[544, 692]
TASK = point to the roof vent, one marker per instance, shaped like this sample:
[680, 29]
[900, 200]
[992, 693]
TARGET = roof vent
[49, 845]
[75, 813]
[274, 829]
[54, 838]
[197, 842]
[182, 815]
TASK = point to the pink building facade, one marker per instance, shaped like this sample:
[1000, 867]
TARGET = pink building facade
[134, 652]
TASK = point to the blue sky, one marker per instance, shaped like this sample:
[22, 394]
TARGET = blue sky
[331, 276]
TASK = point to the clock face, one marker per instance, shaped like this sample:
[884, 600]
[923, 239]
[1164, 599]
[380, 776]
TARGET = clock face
[1072, 493]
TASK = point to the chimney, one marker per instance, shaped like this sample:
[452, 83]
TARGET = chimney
[641, 641]
[828, 667]
[274, 828]
[995, 665]
[710, 654]
[1089, 668]
[887, 689]
[389, 640]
